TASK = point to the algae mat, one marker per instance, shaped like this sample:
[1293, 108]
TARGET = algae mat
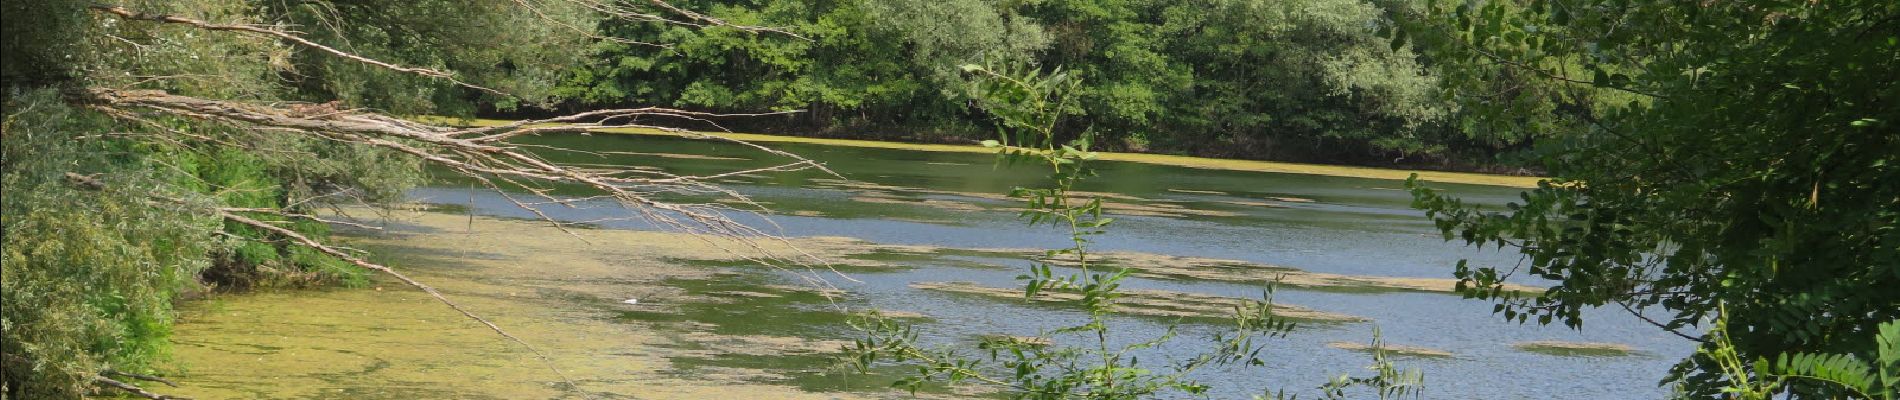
[556, 292]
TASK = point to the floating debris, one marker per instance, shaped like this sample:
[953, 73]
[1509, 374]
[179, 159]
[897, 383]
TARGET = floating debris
[1161, 266]
[1032, 341]
[1576, 349]
[1413, 351]
[744, 294]
[894, 314]
[945, 205]
[1206, 192]
[1153, 303]
[678, 156]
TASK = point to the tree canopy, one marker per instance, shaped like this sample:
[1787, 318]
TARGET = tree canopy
[1736, 156]
[1307, 80]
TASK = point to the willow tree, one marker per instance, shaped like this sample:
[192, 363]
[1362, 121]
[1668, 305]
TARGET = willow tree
[1734, 160]
[153, 147]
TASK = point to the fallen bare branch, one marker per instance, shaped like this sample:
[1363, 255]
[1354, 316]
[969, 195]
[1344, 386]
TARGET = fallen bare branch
[485, 155]
[134, 390]
[283, 213]
[141, 377]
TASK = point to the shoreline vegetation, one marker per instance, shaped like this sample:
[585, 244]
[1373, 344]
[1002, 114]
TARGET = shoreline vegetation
[1346, 171]
[1710, 164]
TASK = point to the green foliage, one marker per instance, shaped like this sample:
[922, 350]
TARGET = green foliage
[26, 25]
[239, 179]
[90, 273]
[1877, 378]
[61, 43]
[848, 64]
[492, 43]
[1302, 80]
[93, 264]
[1729, 153]
[1285, 79]
[941, 34]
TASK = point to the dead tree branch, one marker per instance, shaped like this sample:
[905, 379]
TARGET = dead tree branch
[141, 377]
[134, 390]
[486, 155]
[288, 214]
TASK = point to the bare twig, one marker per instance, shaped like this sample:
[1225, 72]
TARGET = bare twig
[1665, 328]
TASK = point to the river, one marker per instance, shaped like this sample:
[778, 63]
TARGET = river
[706, 325]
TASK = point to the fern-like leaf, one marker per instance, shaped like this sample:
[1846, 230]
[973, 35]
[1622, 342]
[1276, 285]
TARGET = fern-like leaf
[1887, 354]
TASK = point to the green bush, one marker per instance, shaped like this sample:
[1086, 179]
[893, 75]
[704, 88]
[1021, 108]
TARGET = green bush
[94, 263]
[90, 272]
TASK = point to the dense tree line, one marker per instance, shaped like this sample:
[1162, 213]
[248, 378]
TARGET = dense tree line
[1305, 80]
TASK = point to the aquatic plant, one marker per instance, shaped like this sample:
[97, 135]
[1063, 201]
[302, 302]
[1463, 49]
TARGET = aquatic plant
[1028, 104]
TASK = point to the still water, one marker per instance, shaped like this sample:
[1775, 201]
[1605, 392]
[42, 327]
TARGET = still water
[949, 202]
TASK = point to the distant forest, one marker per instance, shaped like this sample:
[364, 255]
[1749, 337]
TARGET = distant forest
[1299, 80]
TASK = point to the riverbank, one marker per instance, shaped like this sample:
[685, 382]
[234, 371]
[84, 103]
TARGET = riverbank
[1146, 158]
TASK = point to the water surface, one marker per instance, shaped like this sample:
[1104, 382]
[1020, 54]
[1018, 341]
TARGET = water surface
[950, 203]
